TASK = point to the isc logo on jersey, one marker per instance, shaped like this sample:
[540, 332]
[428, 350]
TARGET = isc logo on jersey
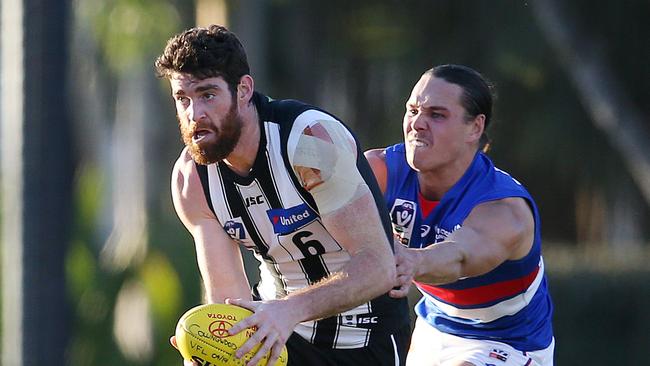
[287, 220]
[253, 200]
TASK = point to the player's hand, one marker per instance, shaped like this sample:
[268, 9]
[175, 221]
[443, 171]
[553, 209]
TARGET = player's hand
[274, 322]
[406, 265]
[172, 340]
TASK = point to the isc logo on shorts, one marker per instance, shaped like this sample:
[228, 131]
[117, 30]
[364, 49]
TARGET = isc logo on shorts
[354, 320]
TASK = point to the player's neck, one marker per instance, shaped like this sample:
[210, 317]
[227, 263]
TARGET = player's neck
[436, 182]
[242, 158]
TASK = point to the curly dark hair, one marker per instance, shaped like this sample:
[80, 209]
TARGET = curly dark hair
[204, 53]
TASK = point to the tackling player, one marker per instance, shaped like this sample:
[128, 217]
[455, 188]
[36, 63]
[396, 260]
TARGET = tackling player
[470, 232]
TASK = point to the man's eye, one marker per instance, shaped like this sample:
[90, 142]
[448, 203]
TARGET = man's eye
[208, 96]
[413, 111]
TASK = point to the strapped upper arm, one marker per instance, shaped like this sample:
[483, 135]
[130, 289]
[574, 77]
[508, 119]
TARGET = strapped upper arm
[323, 155]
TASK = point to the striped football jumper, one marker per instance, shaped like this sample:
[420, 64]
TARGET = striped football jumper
[270, 213]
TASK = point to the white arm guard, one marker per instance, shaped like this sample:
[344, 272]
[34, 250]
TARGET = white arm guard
[323, 155]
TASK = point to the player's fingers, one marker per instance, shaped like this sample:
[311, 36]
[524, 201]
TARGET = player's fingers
[404, 280]
[276, 351]
[405, 269]
[266, 347]
[399, 292]
[250, 305]
[243, 324]
[408, 282]
[398, 282]
[172, 340]
[396, 294]
[251, 342]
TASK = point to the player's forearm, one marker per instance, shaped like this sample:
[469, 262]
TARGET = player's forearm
[439, 264]
[364, 277]
[369, 272]
[222, 273]
[217, 293]
[219, 288]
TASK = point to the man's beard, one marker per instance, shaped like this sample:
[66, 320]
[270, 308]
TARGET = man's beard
[218, 148]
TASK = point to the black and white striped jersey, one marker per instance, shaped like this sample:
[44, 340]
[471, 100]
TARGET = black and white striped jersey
[270, 213]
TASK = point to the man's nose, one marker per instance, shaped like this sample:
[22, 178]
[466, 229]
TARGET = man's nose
[195, 112]
[418, 122]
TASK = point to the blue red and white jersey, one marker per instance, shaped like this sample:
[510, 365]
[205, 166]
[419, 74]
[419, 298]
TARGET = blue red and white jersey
[511, 303]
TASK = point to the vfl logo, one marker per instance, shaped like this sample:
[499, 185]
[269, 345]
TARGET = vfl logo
[403, 214]
[235, 229]
[220, 328]
[286, 220]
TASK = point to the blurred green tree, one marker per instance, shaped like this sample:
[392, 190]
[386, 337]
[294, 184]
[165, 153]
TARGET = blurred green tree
[122, 278]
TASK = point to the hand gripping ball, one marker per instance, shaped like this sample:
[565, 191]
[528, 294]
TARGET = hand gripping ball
[202, 336]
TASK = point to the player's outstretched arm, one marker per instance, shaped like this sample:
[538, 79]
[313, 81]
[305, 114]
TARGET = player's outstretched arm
[218, 257]
[494, 232]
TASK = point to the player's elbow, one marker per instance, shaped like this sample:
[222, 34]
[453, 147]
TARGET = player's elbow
[377, 270]
[386, 273]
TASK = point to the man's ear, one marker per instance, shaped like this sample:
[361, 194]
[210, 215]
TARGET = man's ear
[477, 126]
[245, 89]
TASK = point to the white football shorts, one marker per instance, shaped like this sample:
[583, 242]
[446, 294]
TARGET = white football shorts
[430, 347]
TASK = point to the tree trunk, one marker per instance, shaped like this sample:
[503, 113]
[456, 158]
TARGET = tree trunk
[37, 170]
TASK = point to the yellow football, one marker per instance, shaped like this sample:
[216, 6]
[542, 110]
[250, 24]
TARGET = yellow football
[202, 336]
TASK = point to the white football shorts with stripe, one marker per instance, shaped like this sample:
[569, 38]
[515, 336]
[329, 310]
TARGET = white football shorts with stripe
[430, 347]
